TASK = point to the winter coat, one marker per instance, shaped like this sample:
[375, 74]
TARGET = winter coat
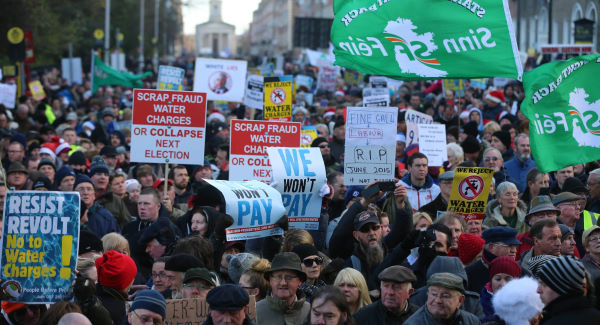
[419, 196]
[478, 272]
[592, 267]
[113, 301]
[247, 321]
[376, 314]
[432, 208]
[271, 311]
[493, 216]
[423, 317]
[184, 222]
[100, 221]
[486, 303]
[116, 206]
[570, 310]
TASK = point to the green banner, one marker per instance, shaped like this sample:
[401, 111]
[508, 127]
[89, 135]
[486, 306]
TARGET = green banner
[562, 103]
[103, 75]
[426, 39]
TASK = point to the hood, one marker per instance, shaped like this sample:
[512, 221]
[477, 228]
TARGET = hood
[211, 216]
[448, 264]
[428, 182]
[480, 125]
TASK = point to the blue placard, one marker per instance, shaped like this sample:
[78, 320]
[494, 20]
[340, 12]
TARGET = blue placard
[40, 237]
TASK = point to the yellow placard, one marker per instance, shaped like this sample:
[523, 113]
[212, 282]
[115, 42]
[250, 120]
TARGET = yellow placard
[15, 35]
[37, 90]
[98, 34]
[255, 71]
[9, 71]
[307, 137]
[470, 191]
[278, 98]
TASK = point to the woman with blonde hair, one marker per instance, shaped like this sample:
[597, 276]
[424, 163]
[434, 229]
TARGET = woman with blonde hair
[115, 242]
[354, 286]
[253, 279]
[294, 238]
[421, 220]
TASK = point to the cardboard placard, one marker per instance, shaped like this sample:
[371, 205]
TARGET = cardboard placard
[432, 143]
[254, 96]
[37, 90]
[327, 78]
[278, 98]
[220, 79]
[470, 191]
[8, 95]
[378, 97]
[196, 311]
[170, 78]
[413, 118]
[75, 63]
[309, 134]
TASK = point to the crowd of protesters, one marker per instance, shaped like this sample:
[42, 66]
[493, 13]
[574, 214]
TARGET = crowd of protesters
[395, 257]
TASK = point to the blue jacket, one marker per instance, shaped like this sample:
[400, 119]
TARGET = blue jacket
[101, 221]
[517, 171]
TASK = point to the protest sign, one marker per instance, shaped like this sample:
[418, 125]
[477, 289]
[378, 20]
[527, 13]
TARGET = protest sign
[470, 190]
[40, 240]
[37, 90]
[370, 150]
[303, 81]
[318, 59]
[195, 311]
[378, 82]
[278, 98]
[168, 126]
[299, 174]
[413, 118]
[71, 70]
[327, 78]
[432, 143]
[309, 134]
[254, 97]
[267, 70]
[562, 104]
[480, 83]
[353, 77]
[220, 79]
[454, 85]
[500, 82]
[426, 39]
[376, 97]
[249, 142]
[254, 206]
[8, 95]
[170, 78]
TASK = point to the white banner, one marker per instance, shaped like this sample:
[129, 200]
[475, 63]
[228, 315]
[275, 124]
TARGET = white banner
[413, 118]
[8, 95]
[220, 79]
[255, 87]
[376, 97]
[327, 78]
[66, 66]
[432, 143]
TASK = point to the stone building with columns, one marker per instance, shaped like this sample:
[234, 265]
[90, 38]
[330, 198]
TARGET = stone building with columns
[215, 37]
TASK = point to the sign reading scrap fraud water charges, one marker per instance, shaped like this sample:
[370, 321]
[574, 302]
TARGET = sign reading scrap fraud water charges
[39, 245]
[254, 206]
[168, 126]
[248, 158]
[470, 190]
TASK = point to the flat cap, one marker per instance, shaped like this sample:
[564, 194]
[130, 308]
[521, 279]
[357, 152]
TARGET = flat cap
[500, 234]
[198, 273]
[449, 175]
[447, 280]
[398, 274]
[564, 197]
[227, 297]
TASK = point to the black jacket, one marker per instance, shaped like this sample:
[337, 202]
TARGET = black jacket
[113, 301]
[376, 313]
[570, 310]
[432, 208]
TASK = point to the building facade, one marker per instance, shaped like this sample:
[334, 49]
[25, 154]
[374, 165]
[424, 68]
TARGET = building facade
[215, 37]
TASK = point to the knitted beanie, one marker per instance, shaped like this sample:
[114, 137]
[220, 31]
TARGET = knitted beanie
[564, 274]
[536, 262]
[504, 137]
[239, 263]
[63, 172]
[98, 166]
[518, 301]
[469, 246]
[115, 270]
[305, 250]
[150, 300]
[506, 265]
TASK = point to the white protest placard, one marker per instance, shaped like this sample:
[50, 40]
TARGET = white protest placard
[370, 151]
[254, 206]
[414, 118]
[66, 65]
[255, 87]
[318, 59]
[220, 79]
[248, 159]
[303, 80]
[432, 143]
[378, 82]
[168, 126]
[8, 95]
[327, 78]
[376, 97]
[299, 174]
[117, 61]
[170, 78]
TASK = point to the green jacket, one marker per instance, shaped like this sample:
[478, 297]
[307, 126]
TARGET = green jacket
[273, 311]
[116, 206]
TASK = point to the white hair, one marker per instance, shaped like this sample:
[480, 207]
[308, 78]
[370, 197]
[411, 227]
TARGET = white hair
[505, 186]
[456, 150]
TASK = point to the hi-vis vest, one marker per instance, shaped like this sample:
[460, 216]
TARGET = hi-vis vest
[589, 219]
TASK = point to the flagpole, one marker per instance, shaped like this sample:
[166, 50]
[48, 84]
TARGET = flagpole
[92, 74]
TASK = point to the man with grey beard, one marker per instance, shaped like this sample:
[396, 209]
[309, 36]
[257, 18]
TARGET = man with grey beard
[518, 167]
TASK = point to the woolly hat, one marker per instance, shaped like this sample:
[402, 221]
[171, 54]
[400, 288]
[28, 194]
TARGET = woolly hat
[115, 270]
[470, 145]
[89, 124]
[536, 262]
[77, 158]
[46, 161]
[48, 151]
[518, 301]
[564, 275]
[98, 166]
[150, 300]
[42, 182]
[63, 172]
[89, 242]
[469, 246]
[506, 265]
[305, 250]
[9, 307]
[239, 263]
[317, 141]
[132, 184]
[82, 178]
[495, 96]
[470, 128]
[504, 137]
[182, 263]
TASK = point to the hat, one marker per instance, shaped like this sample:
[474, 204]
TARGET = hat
[506, 265]
[339, 92]
[198, 273]
[400, 137]
[563, 197]
[77, 158]
[82, 178]
[108, 111]
[131, 184]
[121, 150]
[534, 264]
[98, 166]
[298, 109]
[352, 192]
[574, 185]
[305, 250]
[182, 263]
[447, 280]
[317, 141]
[238, 263]
[286, 261]
[471, 145]
[215, 115]
[63, 172]
[89, 242]
[227, 297]
[398, 274]
[329, 112]
[16, 167]
[447, 176]
[108, 151]
[495, 96]
[63, 147]
[19, 137]
[500, 234]
[541, 203]
[151, 300]
[9, 307]
[565, 231]
[587, 233]
[89, 124]
[339, 123]
[46, 161]
[518, 301]
[115, 270]
[364, 218]
[160, 181]
[504, 137]
[469, 246]
[159, 230]
[42, 181]
[72, 116]
[564, 275]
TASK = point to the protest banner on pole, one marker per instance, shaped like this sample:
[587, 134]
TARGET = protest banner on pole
[248, 158]
[37, 90]
[168, 126]
[470, 191]
[379, 97]
[353, 77]
[327, 78]
[220, 79]
[432, 143]
[454, 85]
[309, 134]
[254, 206]
[370, 150]
[195, 311]
[40, 240]
[378, 82]
[170, 78]
[278, 98]
[299, 174]
[254, 97]
[413, 118]
[8, 95]
[562, 105]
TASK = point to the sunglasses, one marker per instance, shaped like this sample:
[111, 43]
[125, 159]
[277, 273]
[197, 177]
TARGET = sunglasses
[308, 262]
[366, 229]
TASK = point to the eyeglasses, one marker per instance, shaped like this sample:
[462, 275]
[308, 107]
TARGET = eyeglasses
[287, 278]
[159, 275]
[323, 146]
[487, 159]
[198, 286]
[594, 238]
[147, 319]
[308, 262]
[366, 229]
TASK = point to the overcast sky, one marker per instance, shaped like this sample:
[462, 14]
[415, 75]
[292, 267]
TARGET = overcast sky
[235, 12]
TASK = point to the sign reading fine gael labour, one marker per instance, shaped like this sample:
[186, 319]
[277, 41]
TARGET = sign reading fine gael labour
[426, 39]
[39, 245]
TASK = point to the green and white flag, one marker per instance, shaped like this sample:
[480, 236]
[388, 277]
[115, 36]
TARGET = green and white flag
[562, 103]
[103, 75]
[426, 39]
